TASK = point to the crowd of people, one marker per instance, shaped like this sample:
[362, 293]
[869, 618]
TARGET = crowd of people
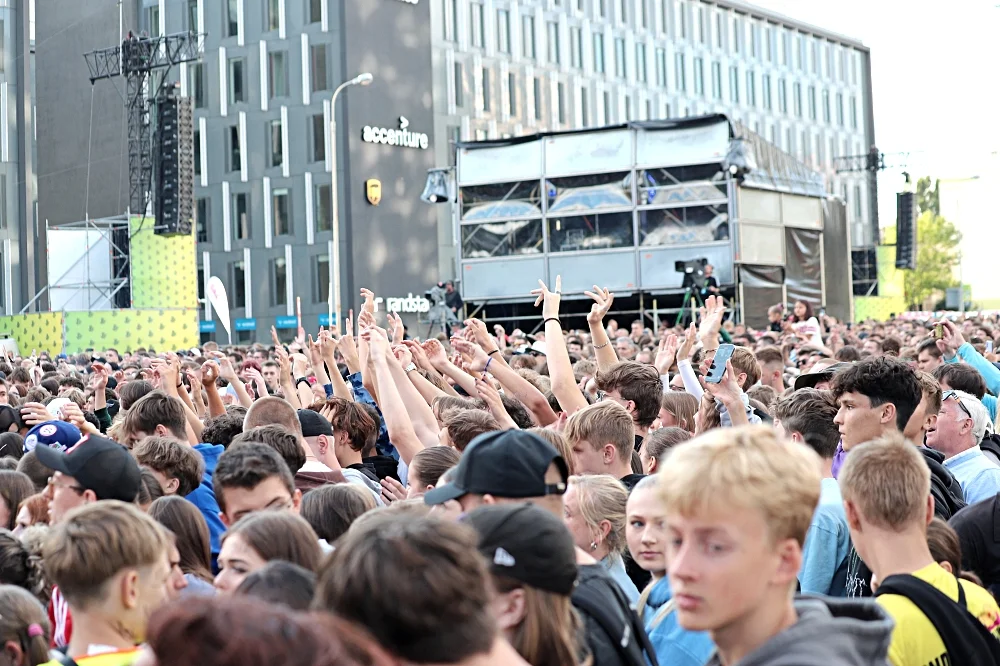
[811, 492]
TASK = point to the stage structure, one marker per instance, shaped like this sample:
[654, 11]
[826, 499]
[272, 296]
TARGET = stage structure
[634, 207]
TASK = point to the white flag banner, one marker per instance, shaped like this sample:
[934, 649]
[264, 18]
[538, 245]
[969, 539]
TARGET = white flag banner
[220, 302]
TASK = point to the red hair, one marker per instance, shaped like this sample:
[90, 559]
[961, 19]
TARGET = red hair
[242, 631]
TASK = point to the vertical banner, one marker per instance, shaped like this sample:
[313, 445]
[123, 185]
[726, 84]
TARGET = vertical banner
[217, 297]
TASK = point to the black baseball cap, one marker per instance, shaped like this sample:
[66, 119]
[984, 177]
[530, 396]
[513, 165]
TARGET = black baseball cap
[97, 463]
[528, 544]
[506, 463]
[313, 424]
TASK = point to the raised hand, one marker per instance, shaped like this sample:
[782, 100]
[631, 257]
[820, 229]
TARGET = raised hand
[284, 365]
[711, 319]
[549, 300]
[274, 337]
[474, 354]
[327, 344]
[33, 413]
[396, 326]
[727, 390]
[684, 352]
[435, 353]
[603, 298]
[210, 373]
[392, 490]
[100, 377]
[477, 329]
[315, 352]
[666, 353]
[402, 354]
[418, 354]
[369, 305]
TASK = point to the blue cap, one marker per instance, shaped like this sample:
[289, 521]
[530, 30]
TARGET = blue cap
[57, 434]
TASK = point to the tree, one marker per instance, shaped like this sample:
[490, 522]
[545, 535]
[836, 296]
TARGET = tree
[937, 256]
[928, 198]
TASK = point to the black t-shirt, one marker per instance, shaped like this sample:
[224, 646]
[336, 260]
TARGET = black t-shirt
[453, 300]
[978, 527]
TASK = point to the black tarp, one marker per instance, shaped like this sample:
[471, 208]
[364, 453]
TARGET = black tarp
[761, 287]
[803, 266]
[837, 259]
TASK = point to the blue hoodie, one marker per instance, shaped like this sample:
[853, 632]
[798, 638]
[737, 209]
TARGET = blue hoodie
[673, 645]
[203, 496]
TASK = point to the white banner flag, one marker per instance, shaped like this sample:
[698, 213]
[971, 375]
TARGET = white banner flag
[217, 297]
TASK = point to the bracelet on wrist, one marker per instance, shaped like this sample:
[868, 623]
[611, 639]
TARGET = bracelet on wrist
[596, 347]
[487, 367]
[548, 319]
[495, 351]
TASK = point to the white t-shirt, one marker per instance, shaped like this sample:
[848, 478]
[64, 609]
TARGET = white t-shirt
[809, 328]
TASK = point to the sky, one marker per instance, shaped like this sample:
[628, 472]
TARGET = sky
[935, 91]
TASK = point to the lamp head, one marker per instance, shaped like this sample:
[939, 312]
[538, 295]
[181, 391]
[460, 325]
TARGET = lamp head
[364, 79]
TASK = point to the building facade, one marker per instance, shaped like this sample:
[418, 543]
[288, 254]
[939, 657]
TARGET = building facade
[511, 67]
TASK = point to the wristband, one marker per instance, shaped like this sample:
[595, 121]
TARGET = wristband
[300, 380]
[410, 368]
[495, 351]
[596, 347]
[548, 319]
[487, 367]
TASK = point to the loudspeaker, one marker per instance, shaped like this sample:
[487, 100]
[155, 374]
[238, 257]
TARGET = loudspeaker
[906, 231]
[174, 166]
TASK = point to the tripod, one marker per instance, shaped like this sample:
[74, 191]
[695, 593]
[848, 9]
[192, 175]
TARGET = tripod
[692, 293]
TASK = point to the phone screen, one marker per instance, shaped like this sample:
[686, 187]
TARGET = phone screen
[718, 368]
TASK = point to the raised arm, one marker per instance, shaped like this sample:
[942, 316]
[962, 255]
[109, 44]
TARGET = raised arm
[420, 413]
[603, 349]
[209, 375]
[397, 421]
[560, 369]
[328, 351]
[438, 358]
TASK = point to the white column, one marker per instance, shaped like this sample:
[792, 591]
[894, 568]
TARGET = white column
[184, 79]
[326, 135]
[285, 164]
[268, 211]
[310, 212]
[206, 272]
[8, 278]
[202, 148]
[264, 92]
[223, 82]
[306, 69]
[163, 17]
[240, 24]
[243, 146]
[324, 15]
[247, 282]
[289, 282]
[227, 219]
[281, 19]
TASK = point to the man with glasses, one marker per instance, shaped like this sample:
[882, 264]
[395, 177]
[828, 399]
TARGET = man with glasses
[960, 427]
[92, 470]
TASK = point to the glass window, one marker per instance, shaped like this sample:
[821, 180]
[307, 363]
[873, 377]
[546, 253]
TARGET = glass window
[812, 103]
[322, 205]
[584, 108]
[576, 47]
[528, 37]
[279, 282]
[826, 106]
[239, 284]
[661, 67]
[318, 127]
[765, 86]
[318, 69]
[503, 30]
[316, 11]
[552, 43]
[196, 81]
[680, 73]
[597, 231]
[153, 20]
[561, 102]
[501, 239]
[782, 96]
[451, 20]
[797, 90]
[281, 213]
[197, 152]
[537, 89]
[192, 15]
[512, 94]
[854, 113]
[477, 25]
[273, 14]
[737, 34]
[688, 224]
[501, 201]
[321, 279]
[640, 62]
[274, 141]
[241, 216]
[840, 109]
[237, 80]
[620, 68]
[487, 98]
[203, 219]
[716, 80]
[232, 18]
[682, 186]
[598, 52]
[699, 76]
[751, 89]
[734, 84]
[459, 84]
[277, 67]
[235, 156]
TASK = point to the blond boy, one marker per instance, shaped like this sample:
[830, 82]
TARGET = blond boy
[738, 503]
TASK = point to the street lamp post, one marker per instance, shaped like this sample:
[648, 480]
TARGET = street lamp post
[334, 300]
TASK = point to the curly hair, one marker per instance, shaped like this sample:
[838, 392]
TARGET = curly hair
[882, 380]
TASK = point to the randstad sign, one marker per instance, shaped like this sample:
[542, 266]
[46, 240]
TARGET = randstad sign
[400, 138]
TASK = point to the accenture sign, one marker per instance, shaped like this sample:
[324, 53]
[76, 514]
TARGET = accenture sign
[399, 138]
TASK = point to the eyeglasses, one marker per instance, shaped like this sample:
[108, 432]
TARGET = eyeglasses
[952, 394]
[601, 396]
[79, 490]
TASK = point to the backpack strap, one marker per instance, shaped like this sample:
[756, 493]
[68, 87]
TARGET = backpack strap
[62, 658]
[965, 638]
[624, 628]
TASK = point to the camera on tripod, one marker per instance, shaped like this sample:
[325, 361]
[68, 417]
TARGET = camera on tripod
[694, 273]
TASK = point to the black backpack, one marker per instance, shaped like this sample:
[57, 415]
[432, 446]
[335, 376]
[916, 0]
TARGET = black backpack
[991, 447]
[965, 639]
[618, 621]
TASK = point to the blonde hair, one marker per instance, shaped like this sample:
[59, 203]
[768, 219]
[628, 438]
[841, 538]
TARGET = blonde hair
[889, 482]
[602, 497]
[97, 541]
[683, 406]
[603, 423]
[746, 467]
[559, 443]
[547, 636]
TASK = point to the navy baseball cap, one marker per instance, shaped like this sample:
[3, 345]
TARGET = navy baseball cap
[98, 464]
[57, 434]
[506, 463]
